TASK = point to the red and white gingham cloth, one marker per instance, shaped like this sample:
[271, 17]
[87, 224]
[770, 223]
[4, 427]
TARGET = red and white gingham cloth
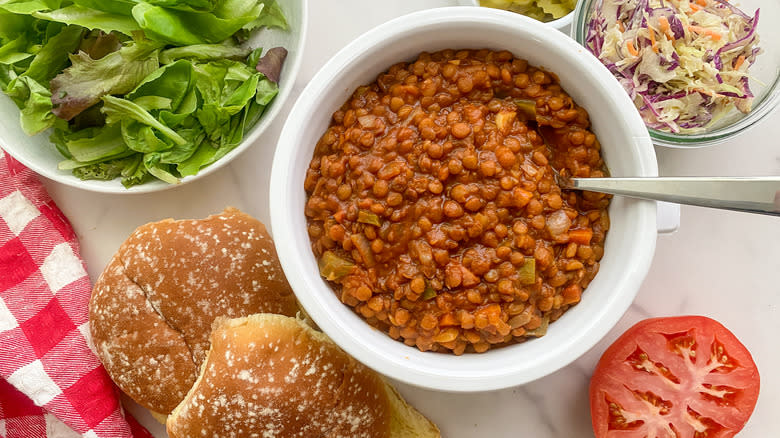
[51, 382]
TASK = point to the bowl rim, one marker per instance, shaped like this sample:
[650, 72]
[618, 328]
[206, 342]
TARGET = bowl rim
[306, 284]
[250, 138]
[767, 105]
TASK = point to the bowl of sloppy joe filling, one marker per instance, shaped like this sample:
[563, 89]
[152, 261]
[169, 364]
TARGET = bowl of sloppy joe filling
[416, 210]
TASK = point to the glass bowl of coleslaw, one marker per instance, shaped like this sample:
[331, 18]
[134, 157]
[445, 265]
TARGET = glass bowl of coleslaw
[699, 71]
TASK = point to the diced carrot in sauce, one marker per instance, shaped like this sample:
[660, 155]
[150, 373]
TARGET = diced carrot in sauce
[581, 236]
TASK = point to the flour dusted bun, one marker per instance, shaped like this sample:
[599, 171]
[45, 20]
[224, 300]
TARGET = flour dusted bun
[274, 376]
[152, 309]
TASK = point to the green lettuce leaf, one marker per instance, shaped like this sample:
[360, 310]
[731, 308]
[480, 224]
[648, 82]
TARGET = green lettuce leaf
[29, 90]
[204, 52]
[162, 171]
[53, 56]
[91, 19]
[13, 25]
[180, 153]
[136, 175]
[203, 156]
[118, 7]
[266, 91]
[173, 81]
[15, 51]
[141, 138]
[270, 16]
[225, 88]
[190, 27]
[59, 137]
[27, 7]
[117, 109]
[21, 38]
[87, 80]
[34, 100]
[96, 144]
[186, 5]
[108, 170]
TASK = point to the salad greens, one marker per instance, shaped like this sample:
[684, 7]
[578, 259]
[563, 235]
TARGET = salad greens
[138, 89]
[684, 63]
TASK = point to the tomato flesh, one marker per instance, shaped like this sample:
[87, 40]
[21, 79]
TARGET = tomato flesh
[677, 377]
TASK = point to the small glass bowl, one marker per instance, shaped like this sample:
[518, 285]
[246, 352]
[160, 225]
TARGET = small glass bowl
[561, 24]
[764, 82]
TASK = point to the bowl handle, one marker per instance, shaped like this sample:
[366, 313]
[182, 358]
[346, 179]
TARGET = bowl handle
[668, 217]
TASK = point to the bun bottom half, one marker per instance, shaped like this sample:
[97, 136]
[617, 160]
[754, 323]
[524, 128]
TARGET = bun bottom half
[269, 375]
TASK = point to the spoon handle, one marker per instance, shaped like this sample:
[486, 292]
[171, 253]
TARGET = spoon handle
[750, 194]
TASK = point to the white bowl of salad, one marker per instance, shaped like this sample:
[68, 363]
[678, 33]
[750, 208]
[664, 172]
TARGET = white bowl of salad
[129, 97]
[553, 13]
[698, 71]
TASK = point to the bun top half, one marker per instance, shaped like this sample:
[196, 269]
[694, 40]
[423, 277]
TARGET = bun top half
[152, 308]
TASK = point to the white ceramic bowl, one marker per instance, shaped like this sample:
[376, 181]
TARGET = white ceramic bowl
[561, 24]
[40, 155]
[626, 147]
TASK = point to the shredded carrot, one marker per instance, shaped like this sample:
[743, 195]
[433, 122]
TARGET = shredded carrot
[703, 91]
[652, 39]
[581, 236]
[715, 36]
[631, 49]
[701, 2]
[694, 7]
[739, 62]
[665, 28]
[620, 26]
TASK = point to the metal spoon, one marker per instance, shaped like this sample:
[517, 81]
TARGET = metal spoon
[759, 194]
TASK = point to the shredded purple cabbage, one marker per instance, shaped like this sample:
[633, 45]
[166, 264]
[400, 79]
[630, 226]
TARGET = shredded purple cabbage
[733, 9]
[744, 39]
[676, 26]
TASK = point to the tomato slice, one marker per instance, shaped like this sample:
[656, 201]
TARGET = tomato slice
[677, 377]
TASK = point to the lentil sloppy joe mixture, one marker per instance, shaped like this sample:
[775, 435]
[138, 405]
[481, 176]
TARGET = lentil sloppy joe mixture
[433, 207]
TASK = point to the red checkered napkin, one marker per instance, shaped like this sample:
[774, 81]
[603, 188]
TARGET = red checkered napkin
[51, 383]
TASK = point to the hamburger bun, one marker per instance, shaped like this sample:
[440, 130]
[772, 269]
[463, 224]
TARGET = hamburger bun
[274, 376]
[152, 308]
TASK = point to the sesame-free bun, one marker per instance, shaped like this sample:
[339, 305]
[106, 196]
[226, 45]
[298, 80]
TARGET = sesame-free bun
[274, 376]
[152, 308]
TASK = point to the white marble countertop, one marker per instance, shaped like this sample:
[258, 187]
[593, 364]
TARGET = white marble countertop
[720, 264]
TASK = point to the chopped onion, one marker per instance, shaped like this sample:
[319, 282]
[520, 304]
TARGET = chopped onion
[558, 223]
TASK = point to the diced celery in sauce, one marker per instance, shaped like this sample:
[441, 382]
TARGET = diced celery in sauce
[541, 330]
[367, 217]
[527, 273]
[333, 267]
[429, 293]
[526, 107]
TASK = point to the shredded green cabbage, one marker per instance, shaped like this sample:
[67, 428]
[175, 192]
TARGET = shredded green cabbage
[683, 62]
